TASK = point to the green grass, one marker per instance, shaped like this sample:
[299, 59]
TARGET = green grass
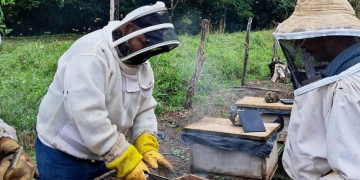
[27, 67]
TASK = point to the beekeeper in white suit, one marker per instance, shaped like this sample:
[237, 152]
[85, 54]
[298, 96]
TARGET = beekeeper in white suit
[323, 135]
[102, 89]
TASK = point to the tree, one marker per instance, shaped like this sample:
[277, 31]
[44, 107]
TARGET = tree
[38, 17]
[269, 13]
[173, 6]
[2, 24]
[356, 6]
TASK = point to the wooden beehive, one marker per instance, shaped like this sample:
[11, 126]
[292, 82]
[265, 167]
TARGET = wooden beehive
[233, 163]
[259, 102]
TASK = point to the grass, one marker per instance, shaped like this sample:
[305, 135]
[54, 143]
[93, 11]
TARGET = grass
[27, 67]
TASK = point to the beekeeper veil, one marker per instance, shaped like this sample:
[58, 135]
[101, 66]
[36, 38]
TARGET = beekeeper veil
[313, 19]
[143, 33]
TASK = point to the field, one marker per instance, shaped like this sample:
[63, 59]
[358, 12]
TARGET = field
[28, 65]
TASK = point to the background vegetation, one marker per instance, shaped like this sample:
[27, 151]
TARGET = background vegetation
[39, 17]
[28, 66]
[356, 6]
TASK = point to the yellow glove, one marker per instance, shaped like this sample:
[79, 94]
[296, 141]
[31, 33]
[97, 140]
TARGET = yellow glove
[25, 168]
[129, 165]
[7, 146]
[3, 168]
[148, 146]
[138, 172]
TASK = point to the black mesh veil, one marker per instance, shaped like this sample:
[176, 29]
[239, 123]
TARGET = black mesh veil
[303, 67]
[145, 36]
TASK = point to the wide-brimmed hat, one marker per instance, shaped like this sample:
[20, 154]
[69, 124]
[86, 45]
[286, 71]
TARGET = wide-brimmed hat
[314, 18]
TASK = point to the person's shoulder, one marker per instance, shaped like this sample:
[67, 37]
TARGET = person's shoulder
[89, 42]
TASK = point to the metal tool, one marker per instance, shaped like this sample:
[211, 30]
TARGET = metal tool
[14, 160]
[150, 176]
[105, 175]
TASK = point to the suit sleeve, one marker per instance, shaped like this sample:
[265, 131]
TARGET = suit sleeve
[343, 131]
[7, 131]
[145, 122]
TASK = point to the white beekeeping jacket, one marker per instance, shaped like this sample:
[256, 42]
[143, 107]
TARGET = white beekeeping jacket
[95, 99]
[324, 128]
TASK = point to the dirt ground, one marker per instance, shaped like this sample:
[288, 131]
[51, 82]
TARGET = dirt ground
[217, 105]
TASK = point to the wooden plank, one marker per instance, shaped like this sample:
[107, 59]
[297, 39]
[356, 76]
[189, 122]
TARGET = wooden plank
[224, 127]
[190, 177]
[259, 102]
[271, 163]
[282, 138]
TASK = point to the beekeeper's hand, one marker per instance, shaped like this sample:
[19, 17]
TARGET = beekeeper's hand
[148, 146]
[25, 168]
[7, 147]
[138, 172]
[3, 168]
[129, 166]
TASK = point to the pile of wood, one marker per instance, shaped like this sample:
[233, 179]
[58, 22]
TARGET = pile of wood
[279, 71]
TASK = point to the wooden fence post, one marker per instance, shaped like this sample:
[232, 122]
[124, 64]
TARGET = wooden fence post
[274, 50]
[200, 59]
[117, 7]
[246, 51]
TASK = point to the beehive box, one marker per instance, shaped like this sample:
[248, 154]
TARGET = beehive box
[232, 163]
[258, 102]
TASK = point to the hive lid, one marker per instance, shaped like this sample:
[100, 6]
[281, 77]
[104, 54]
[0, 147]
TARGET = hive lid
[259, 102]
[224, 127]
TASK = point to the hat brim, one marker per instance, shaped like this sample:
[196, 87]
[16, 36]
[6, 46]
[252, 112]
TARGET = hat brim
[300, 27]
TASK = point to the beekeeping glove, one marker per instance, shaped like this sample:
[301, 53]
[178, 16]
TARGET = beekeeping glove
[7, 146]
[129, 166]
[148, 146]
[25, 168]
[3, 168]
[138, 172]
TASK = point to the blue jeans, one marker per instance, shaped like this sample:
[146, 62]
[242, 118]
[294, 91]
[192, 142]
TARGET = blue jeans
[56, 165]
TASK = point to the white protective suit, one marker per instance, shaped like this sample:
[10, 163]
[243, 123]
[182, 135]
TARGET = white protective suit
[94, 99]
[325, 119]
[324, 128]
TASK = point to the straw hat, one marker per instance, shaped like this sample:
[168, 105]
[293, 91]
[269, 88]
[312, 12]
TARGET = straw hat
[315, 15]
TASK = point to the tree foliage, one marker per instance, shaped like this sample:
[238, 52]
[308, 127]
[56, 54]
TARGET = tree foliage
[2, 24]
[35, 17]
[356, 6]
[38, 17]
